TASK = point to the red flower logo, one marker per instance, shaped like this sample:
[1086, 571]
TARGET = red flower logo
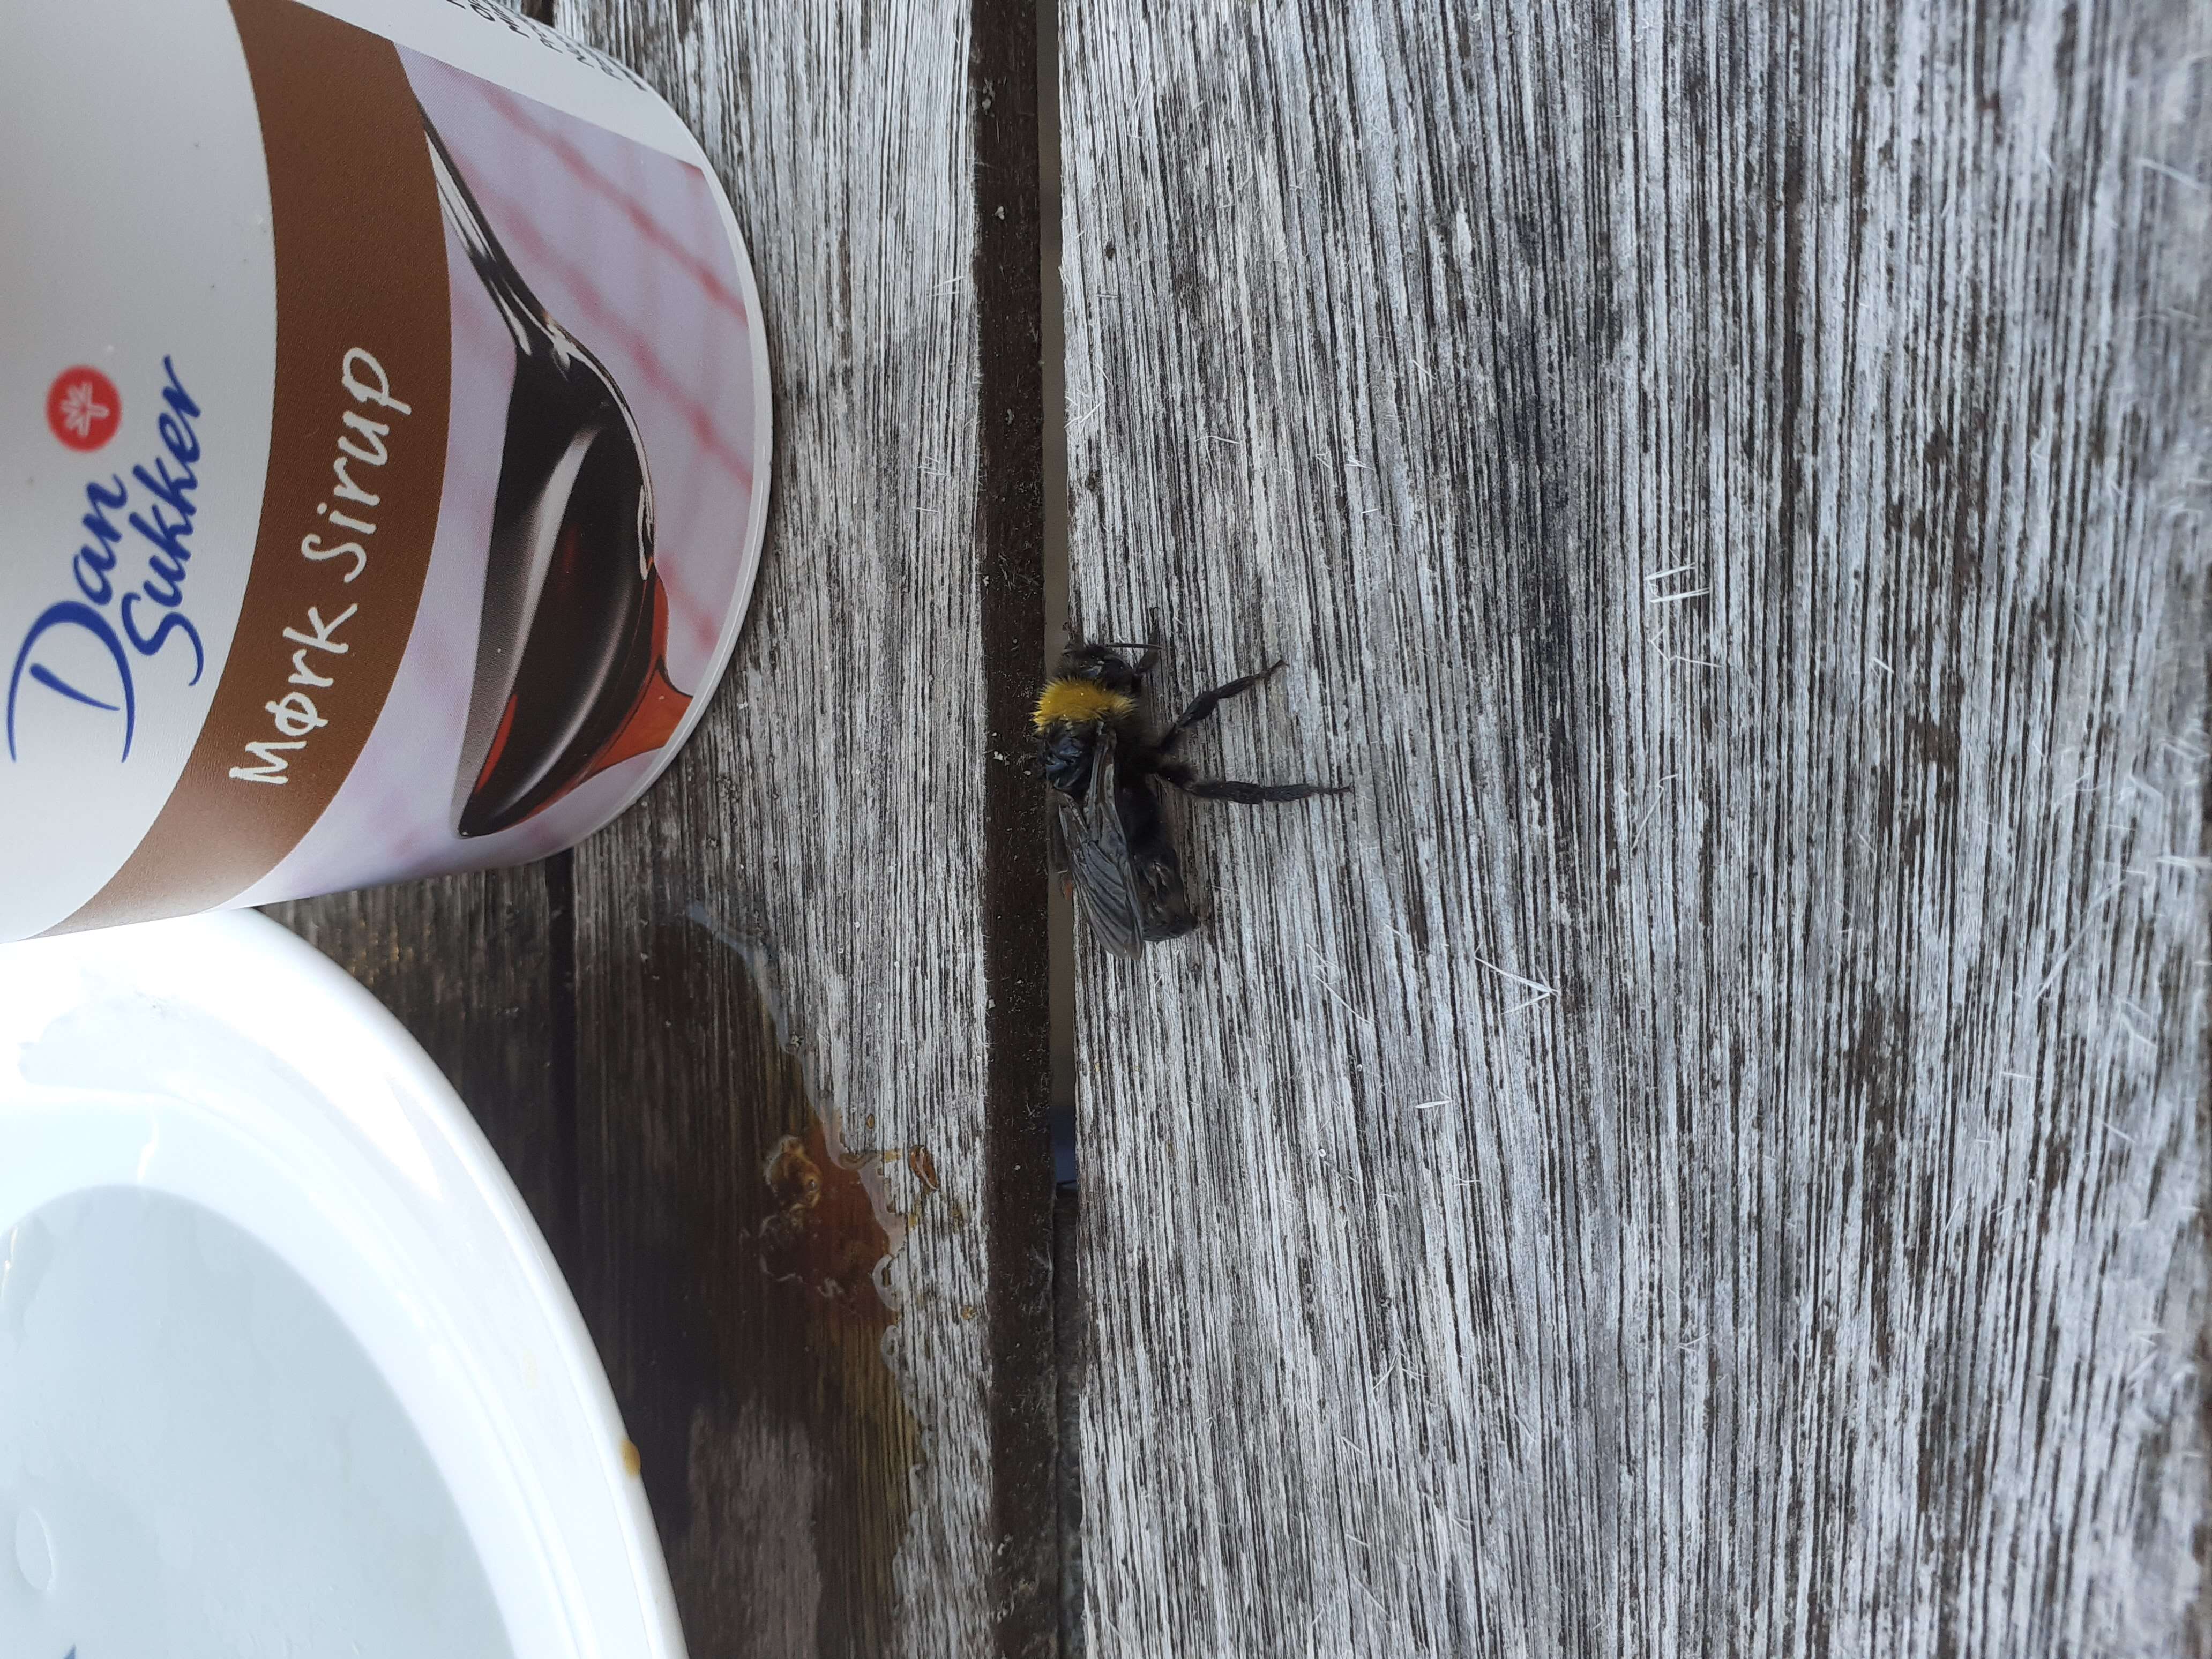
[83, 408]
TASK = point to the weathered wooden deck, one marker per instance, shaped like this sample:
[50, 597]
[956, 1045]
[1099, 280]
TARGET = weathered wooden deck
[1705, 1151]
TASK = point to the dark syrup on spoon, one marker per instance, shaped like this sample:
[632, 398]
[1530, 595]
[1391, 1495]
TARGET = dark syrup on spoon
[571, 675]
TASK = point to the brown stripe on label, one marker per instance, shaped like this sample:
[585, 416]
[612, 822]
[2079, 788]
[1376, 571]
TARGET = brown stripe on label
[361, 332]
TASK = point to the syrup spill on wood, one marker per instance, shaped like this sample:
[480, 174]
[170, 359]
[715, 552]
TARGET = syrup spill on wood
[923, 1163]
[749, 1354]
[833, 1230]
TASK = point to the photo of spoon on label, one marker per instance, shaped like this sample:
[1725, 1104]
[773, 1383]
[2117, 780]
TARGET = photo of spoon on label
[571, 675]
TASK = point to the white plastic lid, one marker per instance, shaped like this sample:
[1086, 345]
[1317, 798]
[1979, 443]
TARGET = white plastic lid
[285, 1366]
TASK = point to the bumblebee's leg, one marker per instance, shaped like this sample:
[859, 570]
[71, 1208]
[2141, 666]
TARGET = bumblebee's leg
[1251, 794]
[1203, 705]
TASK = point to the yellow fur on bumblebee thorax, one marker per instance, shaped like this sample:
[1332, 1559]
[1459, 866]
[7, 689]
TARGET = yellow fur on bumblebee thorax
[1080, 703]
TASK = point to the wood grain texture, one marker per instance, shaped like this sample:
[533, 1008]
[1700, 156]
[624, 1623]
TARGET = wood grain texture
[1732, 486]
[793, 930]
[786, 964]
[474, 966]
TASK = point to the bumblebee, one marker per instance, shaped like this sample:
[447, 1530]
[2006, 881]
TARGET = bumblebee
[1095, 752]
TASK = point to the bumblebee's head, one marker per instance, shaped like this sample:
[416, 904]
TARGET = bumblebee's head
[1104, 665]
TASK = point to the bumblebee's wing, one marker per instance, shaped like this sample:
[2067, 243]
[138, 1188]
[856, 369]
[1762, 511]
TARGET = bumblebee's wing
[1098, 859]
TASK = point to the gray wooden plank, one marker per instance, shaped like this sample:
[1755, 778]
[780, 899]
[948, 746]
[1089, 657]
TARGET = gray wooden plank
[476, 967]
[1731, 484]
[806, 926]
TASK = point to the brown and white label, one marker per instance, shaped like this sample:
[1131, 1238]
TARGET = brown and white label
[384, 453]
[356, 461]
